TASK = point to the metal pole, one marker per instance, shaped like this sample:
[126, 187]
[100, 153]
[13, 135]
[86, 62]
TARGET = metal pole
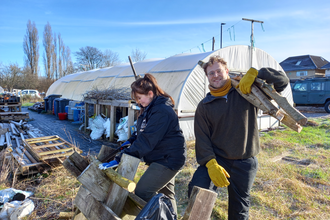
[252, 42]
[221, 35]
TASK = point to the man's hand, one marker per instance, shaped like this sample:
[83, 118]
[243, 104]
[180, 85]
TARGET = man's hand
[111, 164]
[246, 82]
[217, 174]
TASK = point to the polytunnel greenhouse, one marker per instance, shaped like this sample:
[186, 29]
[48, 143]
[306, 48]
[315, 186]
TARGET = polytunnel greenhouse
[179, 75]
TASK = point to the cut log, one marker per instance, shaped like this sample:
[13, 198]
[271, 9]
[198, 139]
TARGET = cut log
[200, 204]
[91, 208]
[123, 182]
[79, 161]
[66, 215]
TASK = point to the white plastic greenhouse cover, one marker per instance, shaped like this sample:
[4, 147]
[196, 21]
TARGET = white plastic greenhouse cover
[179, 75]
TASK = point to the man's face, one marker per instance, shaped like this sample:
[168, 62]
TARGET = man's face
[217, 75]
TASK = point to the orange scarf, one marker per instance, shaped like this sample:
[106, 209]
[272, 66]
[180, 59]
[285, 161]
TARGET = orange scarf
[221, 91]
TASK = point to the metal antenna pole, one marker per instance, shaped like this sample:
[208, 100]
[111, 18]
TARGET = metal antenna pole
[221, 35]
[252, 41]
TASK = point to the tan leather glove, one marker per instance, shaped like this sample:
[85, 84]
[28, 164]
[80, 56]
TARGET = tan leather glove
[217, 173]
[247, 80]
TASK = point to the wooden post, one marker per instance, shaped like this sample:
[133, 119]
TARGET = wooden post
[200, 204]
[117, 195]
[130, 121]
[86, 116]
[112, 122]
[98, 109]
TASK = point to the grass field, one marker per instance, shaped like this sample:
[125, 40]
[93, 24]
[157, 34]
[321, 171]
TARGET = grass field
[292, 181]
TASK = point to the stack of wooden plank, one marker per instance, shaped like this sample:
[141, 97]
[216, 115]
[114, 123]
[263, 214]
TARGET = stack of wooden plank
[12, 106]
[17, 138]
[109, 194]
[13, 116]
[48, 147]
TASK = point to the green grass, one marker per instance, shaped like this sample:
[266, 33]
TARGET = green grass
[27, 104]
[298, 188]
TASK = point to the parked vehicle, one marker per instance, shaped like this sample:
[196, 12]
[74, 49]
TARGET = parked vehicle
[31, 92]
[312, 91]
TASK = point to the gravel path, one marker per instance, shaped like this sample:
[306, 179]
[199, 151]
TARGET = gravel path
[50, 125]
[313, 112]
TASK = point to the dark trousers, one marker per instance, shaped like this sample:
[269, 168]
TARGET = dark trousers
[242, 174]
[157, 179]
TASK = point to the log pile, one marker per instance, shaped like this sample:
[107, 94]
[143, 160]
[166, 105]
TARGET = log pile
[14, 136]
[109, 194]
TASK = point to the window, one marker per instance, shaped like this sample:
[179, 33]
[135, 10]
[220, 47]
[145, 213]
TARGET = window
[300, 87]
[302, 73]
[298, 62]
[317, 86]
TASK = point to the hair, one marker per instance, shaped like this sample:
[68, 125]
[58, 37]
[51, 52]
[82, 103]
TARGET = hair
[146, 84]
[213, 60]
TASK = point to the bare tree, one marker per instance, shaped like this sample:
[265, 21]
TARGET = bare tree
[67, 62]
[138, 55]
[54, 57]
[110, 58]
[89, 57]
[48, 53]
[60, 56]
[10, 76]
[31, 47]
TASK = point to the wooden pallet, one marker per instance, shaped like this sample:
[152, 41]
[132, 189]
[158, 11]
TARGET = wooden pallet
[13, 116]
[49, 147]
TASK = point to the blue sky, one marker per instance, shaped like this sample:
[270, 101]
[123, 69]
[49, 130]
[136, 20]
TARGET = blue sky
[163, 28]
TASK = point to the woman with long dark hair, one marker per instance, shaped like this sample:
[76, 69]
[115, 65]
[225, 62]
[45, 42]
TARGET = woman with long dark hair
[158, 141]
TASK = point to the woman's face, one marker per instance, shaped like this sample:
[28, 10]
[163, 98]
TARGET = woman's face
[144, 100]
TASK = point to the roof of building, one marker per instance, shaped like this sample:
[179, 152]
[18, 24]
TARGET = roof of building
[326, 66]
[304, 62]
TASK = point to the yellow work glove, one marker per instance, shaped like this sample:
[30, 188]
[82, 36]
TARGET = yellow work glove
[217, 173]
[247, 80]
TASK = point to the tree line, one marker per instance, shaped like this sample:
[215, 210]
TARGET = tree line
[56, 60]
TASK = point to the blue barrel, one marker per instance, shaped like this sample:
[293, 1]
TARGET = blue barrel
[51, 101]
[56, 106]
[67, 109]
[62, 104]
[76, 114]
[46, 104]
